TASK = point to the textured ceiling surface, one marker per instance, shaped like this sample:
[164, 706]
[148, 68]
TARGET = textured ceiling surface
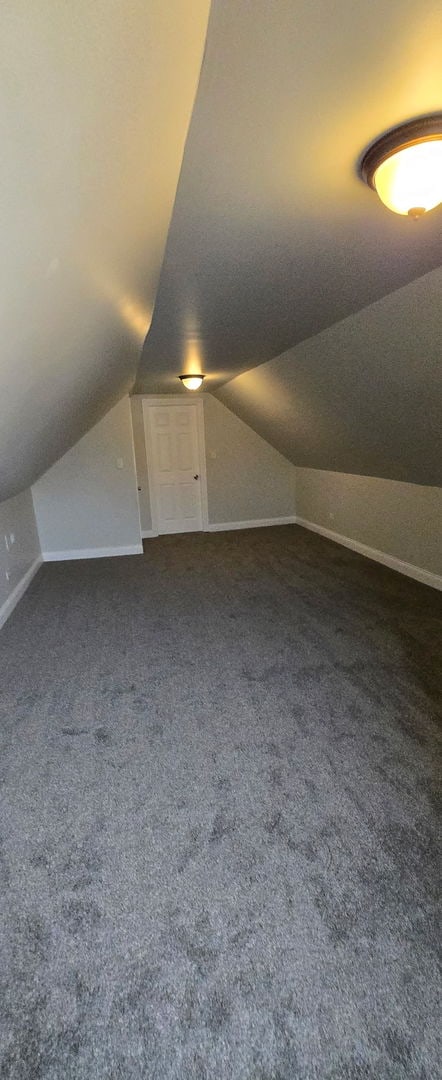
[95, 105]
[273, 236]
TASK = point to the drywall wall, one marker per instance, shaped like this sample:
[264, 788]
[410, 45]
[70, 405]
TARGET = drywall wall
[403, 520]
[19, 550]
[247, 480]
[364, 396]
[87, 502]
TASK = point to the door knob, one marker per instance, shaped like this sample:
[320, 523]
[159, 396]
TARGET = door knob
[196, 477]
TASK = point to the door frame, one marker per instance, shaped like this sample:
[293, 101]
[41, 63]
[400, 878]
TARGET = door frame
[148, 400]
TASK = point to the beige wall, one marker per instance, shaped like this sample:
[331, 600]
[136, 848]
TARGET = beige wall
[88, 500]
[403, 520]
[19, 546]
[247, 480]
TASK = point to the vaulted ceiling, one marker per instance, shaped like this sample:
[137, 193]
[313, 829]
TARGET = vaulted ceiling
[363, 396]
[273, 236]
[272, 239]
[95, 105]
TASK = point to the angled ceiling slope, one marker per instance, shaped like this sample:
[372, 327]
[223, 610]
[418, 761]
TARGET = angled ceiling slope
[363, 396]
[94, 109]
[273, 236]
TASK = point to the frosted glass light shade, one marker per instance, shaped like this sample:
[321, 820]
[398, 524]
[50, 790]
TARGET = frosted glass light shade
[404, 166]
[410, 181]
[192, 382]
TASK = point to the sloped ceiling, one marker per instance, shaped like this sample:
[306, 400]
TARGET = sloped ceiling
[363, 396]
[274, 238]
[94, 109]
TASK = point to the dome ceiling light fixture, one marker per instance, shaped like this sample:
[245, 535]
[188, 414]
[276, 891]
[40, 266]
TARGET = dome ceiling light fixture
[192, 382]
[404, 166]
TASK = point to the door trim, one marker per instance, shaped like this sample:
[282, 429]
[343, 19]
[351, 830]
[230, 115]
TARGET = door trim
[176, 399]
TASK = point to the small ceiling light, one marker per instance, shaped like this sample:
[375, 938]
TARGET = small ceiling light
[405, 166]
[192, 382]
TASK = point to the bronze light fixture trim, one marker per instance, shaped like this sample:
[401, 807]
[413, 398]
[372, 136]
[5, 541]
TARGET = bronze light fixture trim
[192, 382]
[404, 166]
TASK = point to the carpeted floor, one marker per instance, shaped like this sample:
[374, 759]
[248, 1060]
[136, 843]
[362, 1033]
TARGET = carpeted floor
[219, 816]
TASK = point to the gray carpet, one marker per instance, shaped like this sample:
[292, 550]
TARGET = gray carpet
[219, 816]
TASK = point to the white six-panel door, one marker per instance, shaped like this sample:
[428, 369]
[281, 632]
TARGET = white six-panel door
[174, 467]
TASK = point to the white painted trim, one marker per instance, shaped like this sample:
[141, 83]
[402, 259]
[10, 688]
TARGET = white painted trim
[12, 600]
[145, 405]
[148, 534]
[203, 464]
[187, 398]
[256, 523]
[92, 553]
[134, 463]
[409, 569]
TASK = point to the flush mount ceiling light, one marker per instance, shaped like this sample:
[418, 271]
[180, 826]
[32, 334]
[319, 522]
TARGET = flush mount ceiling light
[192, 382]
[404, 166]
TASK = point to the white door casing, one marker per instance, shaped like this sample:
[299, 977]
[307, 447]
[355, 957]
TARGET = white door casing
[174, 432]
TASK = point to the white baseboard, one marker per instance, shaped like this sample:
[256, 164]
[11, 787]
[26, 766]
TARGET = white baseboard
[257, 523]
[92, 553]
[7, 608]
[148, 534]
[416, 572]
